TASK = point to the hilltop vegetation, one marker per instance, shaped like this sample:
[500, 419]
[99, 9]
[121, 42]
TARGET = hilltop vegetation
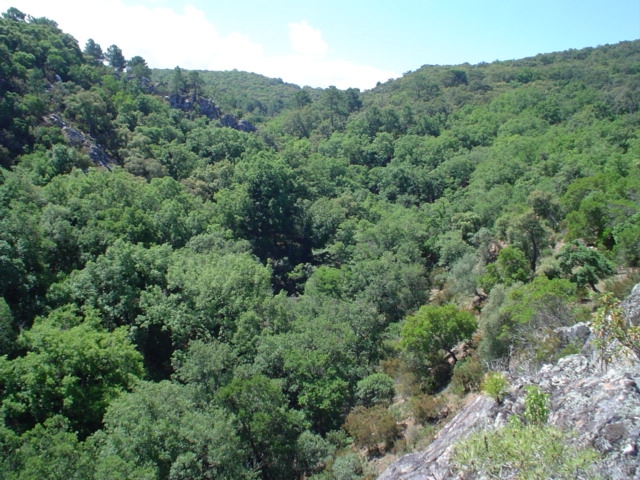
[209, 302]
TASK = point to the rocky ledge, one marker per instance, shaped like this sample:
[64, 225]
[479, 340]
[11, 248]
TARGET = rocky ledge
[598, 404]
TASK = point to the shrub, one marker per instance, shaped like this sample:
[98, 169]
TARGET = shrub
[493, 322]
[496, 386]
[312, 452]
[372, 427]
[435, 328]
[347, 467]
[428, 408]
[613, 331]
[536, 410]
[525, 317]
[467, 375]
[375, 389]
[338, 439]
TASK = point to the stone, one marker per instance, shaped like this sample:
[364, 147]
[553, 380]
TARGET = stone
[229, 121]
[81, 140]
[73, 136]
[245, 126]
[204, 106]
[599, 407]
[577, 334]
[631, 306]
[433, 463]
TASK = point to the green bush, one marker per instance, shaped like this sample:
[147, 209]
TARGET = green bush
[373, 428]
[523, 318]
[536, 409]
[312, 452]
[428, 408]
[496, 386]
[347, 467]
[467, 375]
[338, 439]
[375, 389]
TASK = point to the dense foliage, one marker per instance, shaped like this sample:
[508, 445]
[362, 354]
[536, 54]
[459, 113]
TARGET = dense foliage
[191, 290]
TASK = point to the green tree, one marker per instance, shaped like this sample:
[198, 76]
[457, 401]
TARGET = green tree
[90, 111]
[195, 84]
[334, 102]
[93, 52]
[353, 100]
[115, 58]
[22, 249]
[159, 430]
[264, 207]
[15, 15]
[206, 295]
[49, 450]
[435, 328]
[511, 266]
[527, 232]
[138, 67]
[114, 282]
[268, 426]
[7, 331]
[71, 367]
[583, 265]
[206, 367]
[302, 98]
[178, 83]
[545, 206]
[321, 358]
[312, 452]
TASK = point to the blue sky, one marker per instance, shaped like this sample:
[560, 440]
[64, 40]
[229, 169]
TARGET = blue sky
[346, 43]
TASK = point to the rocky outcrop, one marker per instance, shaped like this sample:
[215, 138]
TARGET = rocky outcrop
[209, 109]
[78, 139]
[433, 463]
[187, 103]
[145, 84]
[599, 406]
[230, 121]
[577, 334]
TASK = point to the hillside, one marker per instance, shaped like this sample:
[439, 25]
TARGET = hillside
[221, 275]
[589, 428]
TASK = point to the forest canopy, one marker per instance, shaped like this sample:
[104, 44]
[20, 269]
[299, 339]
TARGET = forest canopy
[221, 275]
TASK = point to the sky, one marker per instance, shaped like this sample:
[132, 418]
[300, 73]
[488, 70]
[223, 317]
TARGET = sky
[345, 43]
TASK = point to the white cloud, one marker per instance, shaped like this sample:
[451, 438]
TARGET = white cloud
[306, 40]
[166, 38]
